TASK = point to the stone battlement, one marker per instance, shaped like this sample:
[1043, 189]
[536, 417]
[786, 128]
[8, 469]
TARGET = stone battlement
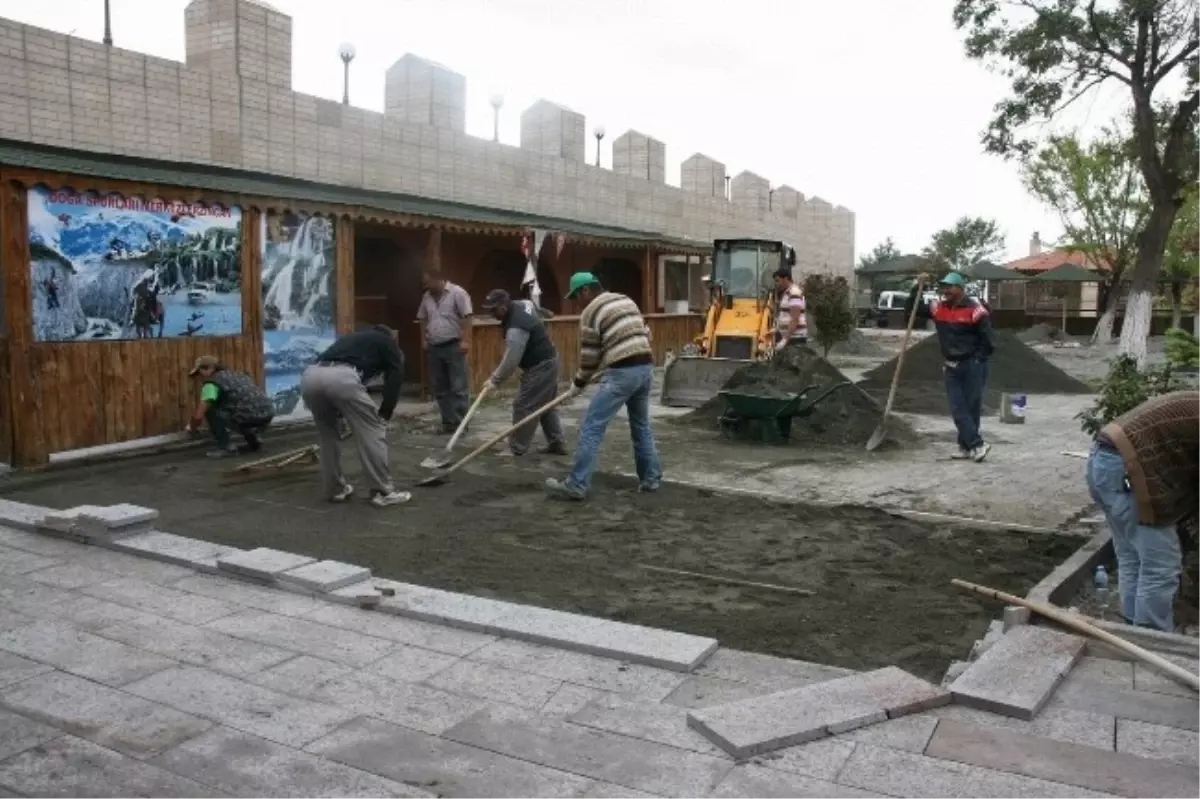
[231, 104]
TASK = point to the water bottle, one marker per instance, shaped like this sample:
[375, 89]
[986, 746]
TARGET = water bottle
[1101, 583]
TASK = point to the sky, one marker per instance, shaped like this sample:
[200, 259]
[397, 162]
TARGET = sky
[868, 104]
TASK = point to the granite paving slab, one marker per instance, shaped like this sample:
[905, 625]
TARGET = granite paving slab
[69, 766]
[1055, 722]
[1147, 678]
[116, 517]
[69, 576]
[83, 654]
[644, 765]
[600, 789]
[756, 781]
[301, 676]
[417, 707]
[263, 563]
[18, 561]
[240, 764]
[191, 553]
[28, 539]
[1105, 671]
[439, 765]
[271, 600]
[1157, 742]
[23, 594]
[160, 600]
[301, 635]
[762, 724]
[1056, 761]
[1018, 674]
[699, 691]
[93, 615]
[11, 618]
[22, 516]
[822, 759]
[14, 669]
[198, 646]
[442, 607]
[326, 575]
[570, 699]
[103, 715]
[401, 630]
[1167, 710]
[413, 664]
[761, 670]
[120, 564]
[910, 733]
[63, 521]
[589, 671]
[495, 683]
[652, 721]
[18, 733]
[278, 717]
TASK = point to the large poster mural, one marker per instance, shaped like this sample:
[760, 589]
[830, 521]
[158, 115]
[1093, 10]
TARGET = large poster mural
[298, 302]
[113, 267]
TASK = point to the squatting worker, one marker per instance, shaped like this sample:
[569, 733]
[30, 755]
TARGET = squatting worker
[791, 324]
[335, 387]
[527, 347]
[612, 335]
[964, 331]
[445, 317]
[229, 400]
[1143, 472]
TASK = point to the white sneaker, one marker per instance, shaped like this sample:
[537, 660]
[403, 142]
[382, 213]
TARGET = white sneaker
[343, 494]
[381, 500]
[961, 455]
[981, 452]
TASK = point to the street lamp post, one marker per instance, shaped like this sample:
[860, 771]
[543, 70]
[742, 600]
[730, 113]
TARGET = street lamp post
[497, 101]
[599, 134]
[107, 25]
[346, 52]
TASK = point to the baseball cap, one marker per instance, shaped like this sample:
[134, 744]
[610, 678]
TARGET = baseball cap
[202, 362]
[953, 279]
[579, 280]
[495, 298]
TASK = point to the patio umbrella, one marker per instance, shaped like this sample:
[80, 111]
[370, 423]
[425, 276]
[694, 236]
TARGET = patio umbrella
[1066, 273]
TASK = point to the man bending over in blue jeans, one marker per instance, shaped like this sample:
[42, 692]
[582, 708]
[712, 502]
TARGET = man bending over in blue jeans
[1143, 473]
[613, 335]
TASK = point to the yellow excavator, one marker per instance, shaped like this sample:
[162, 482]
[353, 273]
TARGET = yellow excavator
[739, 326]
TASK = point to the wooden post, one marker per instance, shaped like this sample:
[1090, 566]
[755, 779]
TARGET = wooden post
[253, 221]
[433, 261]
[649, 280]
[23, 394]
[343, 295]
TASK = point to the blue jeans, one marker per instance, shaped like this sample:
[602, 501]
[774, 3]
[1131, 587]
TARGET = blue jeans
[965, 384]
[627, 387]
[1148, 558]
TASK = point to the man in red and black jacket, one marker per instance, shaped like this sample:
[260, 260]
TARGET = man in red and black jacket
[964, 331]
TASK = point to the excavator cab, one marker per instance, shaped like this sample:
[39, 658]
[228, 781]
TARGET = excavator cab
[739, 324]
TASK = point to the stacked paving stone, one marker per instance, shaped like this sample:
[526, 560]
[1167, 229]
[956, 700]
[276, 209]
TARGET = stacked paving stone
[1019, 673]
[98, 524]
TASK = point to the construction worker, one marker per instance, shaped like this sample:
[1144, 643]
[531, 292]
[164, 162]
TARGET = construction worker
[229, 400]
[527, 347]
[612, 335]
[964, 331]
[335, 388]
[1143, 472]
[791, 323]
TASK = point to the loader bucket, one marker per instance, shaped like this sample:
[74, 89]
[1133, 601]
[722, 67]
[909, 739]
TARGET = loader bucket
[691, 381]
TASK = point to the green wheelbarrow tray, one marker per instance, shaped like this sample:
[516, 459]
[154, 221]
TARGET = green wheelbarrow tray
[774, 413]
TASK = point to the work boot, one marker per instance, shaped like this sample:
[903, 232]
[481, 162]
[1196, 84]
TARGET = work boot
[227, 452]
[555, 448]
[382, 500]
[558, 489]
[649, 487]
[980, 453]
[343, 494]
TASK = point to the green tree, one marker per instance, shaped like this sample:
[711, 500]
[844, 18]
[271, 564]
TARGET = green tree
[1055, 51]
[827, 304]
[885, 251]
[1097, 191]
[965, 243]
[1180, 264]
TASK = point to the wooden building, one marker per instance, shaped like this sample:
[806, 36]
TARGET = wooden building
[224, 262]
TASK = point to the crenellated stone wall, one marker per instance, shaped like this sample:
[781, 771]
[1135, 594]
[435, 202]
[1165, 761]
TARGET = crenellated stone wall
[231, 104]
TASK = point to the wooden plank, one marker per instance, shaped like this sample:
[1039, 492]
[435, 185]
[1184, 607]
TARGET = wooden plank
[343, 282]
[252, 304]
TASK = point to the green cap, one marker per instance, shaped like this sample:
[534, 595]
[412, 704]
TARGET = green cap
[579, 280]
[953, 279]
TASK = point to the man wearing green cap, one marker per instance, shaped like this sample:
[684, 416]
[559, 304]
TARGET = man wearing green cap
[229, 400]
[964, 331]
[613, 336]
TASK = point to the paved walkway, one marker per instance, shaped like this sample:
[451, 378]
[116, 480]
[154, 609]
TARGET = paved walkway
[121, 676]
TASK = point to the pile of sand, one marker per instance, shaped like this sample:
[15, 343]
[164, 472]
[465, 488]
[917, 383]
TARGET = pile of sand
[1014, 367]
[847, 417]
[1041, 333]
[856, 344]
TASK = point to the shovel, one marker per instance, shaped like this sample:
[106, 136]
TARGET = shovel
[441, 477]
[881, 431]
[436, 462]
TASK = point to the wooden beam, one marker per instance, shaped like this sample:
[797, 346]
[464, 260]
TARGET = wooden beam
[252, 294]
[649, 280]
[343, 295]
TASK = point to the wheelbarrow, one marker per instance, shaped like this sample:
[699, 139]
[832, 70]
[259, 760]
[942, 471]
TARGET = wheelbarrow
[771, 415]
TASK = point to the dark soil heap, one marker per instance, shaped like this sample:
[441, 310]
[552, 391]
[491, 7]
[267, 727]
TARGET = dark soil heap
[1014, 367]
[1042, 333]
[847, 417]
[855, 344]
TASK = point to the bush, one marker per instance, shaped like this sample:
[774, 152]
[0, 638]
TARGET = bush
[1124, 389]
[1182, 348]
[830, 315]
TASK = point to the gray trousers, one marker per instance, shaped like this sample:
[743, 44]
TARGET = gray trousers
[538, 386]
[448, 374]
[333, 391]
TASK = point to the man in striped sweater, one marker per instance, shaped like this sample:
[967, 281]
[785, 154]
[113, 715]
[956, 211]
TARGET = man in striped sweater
[613, 336]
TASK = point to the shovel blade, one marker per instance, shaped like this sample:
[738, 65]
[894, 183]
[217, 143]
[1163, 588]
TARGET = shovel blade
[434, 462]
[877, 437]
[432, 480]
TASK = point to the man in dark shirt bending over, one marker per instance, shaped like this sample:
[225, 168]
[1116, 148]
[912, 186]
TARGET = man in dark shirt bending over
[964, 331]
[336, 386]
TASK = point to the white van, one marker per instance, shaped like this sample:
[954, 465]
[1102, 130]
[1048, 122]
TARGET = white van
[894, 300]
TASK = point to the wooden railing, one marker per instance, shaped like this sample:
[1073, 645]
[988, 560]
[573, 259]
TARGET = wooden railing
[667, 332]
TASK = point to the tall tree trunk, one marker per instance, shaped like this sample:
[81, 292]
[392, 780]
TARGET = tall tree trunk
[1176, 303]
[1139, 308]
[1110, 296]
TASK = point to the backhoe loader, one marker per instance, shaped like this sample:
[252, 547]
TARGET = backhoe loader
[739, 325]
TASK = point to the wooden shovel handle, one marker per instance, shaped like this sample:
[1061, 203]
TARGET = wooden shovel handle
[912, 318]
[491, 442]
[462, 426]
